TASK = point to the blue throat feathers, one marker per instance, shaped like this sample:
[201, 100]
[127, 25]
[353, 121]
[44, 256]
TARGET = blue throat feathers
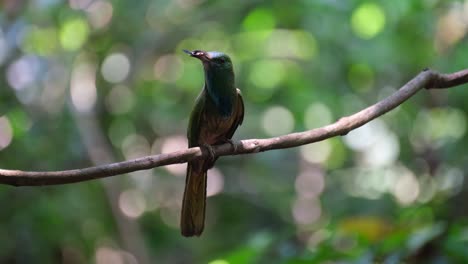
[221, 89]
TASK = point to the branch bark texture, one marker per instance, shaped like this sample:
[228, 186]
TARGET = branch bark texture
[426, 79]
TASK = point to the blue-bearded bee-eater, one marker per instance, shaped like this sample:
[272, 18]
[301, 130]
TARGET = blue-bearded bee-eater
[218, 111]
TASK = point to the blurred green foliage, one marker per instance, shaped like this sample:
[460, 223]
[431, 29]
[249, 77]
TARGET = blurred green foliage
[89, 82]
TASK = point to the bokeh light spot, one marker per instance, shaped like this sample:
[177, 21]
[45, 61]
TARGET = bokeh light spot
[250, 44]
[120, 100]
[115, 67]
[42, 41]
[369, 227]
[6, 132]
[132, 203]
[450, 181]
[438, 126]
[368, 20]
[106, 255]
[219, 261]
[384, 152]
[451, 27]
[379, 145]
[135, 146]
[99, 14]
[23, 72]
[215, 182]
[406, 188]
[306, 211]
[171, 144]
[318, 152]
[168, 68]
[79, 4]
[317, 115]
[310, 183]
[73, 34]
[83, 87]
[363, 137]
[259, 19]
[109, 255]
[277, 120]
[291, 44]
[267, 74]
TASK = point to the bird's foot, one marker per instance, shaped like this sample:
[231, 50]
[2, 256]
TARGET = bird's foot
[211, 152]
[232, 143]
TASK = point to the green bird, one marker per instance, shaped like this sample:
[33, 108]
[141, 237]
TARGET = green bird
[218, 111]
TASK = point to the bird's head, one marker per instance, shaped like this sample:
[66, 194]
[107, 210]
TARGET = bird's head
[212, 59]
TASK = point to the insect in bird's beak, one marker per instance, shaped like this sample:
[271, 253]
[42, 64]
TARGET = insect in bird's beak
[199, 54]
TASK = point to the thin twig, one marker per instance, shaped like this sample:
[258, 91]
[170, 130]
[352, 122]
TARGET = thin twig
[426, 79]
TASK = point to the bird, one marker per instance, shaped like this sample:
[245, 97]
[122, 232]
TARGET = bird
[218, 111]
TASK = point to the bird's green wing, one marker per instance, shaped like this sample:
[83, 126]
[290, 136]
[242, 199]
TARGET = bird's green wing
[193, 131]
[238, 115]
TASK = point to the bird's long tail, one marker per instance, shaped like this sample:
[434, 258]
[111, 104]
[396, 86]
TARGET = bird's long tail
[192, 218]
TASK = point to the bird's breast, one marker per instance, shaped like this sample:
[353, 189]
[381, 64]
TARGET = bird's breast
[214, 128]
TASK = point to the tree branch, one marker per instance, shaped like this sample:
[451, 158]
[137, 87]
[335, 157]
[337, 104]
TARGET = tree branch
[426, 79]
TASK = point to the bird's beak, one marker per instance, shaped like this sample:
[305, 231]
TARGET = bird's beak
[199, 54]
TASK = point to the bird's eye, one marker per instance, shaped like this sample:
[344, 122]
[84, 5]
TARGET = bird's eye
[221, 60]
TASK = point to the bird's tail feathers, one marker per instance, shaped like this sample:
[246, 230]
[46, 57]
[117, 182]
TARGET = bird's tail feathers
[193, 204]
